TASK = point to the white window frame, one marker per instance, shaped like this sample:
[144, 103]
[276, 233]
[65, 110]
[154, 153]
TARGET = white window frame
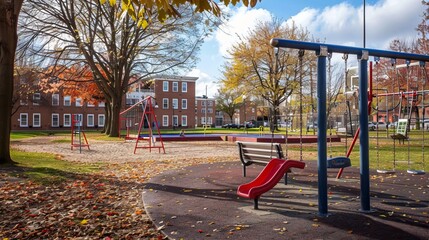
[165, 103]
[67, 101]
[90, 120]
[184, 103]
[184, 121]
[90, 104]
[101, 104]
[78, 116]
[175, 87]
[101, 120]
[55, 99]
[35, 116]
[165, 86]
[21, 122]
[67, 119]
[184, 86]
[78, 102]
[175, 120]
[36, 98]
[165, 120]
[52, 120]
[175, 103]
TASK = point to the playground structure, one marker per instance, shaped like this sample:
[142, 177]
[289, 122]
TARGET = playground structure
[267, 179]
[78, 137]
[136, 119]
[322, 51]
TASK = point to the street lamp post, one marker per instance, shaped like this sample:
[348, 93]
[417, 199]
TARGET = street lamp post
[244, 106]
[172, 117]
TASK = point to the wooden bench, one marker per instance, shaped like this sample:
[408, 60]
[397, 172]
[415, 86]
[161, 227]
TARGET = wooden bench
[259, 153]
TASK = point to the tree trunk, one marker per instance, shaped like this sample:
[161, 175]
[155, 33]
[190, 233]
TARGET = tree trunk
[115, 109]
[8, 38]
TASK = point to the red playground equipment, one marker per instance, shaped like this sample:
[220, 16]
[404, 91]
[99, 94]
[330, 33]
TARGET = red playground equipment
[142, 114]
[267, 179]
[78, 137]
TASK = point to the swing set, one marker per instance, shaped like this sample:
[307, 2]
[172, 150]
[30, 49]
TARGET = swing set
[405, 116]
[322, 50]
[136, 119]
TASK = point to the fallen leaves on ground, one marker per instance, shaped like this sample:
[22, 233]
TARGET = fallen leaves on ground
[86, 206]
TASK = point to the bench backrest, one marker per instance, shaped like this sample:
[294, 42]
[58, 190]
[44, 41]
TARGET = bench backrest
[254, 152]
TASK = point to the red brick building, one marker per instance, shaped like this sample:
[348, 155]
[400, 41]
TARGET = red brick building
[43, 111]
[174, 95]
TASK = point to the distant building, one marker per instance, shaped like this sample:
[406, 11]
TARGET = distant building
[174, 95]
[205, 111]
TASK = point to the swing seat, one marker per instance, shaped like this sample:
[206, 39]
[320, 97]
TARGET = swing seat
[416, 172]
[386, 171]
[338, 162]
[398, 136]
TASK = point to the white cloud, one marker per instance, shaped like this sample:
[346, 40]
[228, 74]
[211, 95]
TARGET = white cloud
[243, 19]
[204, 80]
[342, 24]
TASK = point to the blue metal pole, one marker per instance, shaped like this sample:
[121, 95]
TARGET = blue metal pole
[364, 136]
[286, 43]
[321, 133]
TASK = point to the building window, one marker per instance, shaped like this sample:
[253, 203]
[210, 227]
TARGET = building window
[23, 102]
[90, 120]
[165, 120]
[184, 103]
[165, 103]
[210, 103]
[209, 120]
[184, 87]
[78, 120]
[55, 99]
[209, 110]
[165, 86]
[67, 120]
[203, 103]
[101, 104]
[203, 110]
[175, 86]
[90, 104]
[36, 98]
[67, 101]
[78, 102]
[55, 120]
[101, 120]
[175, 103]
[175, 120]
[36, 120]
[184, 120]
[23, 120]
[203, 120]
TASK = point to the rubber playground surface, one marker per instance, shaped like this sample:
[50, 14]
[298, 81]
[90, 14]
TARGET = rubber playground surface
[201, 202]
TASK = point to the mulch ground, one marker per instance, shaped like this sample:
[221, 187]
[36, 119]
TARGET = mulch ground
[201, 202]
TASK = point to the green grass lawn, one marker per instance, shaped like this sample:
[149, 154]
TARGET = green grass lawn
[48, 168]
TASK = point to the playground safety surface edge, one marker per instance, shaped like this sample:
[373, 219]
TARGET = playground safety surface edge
[200, 202]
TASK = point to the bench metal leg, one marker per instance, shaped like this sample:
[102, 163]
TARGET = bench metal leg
[244, 170]
[286, 178]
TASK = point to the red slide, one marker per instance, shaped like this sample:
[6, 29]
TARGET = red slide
[267, 179]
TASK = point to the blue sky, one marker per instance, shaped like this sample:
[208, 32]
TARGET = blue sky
[335, 21]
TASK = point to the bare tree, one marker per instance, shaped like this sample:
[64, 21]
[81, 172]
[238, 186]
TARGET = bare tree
[118, 51]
